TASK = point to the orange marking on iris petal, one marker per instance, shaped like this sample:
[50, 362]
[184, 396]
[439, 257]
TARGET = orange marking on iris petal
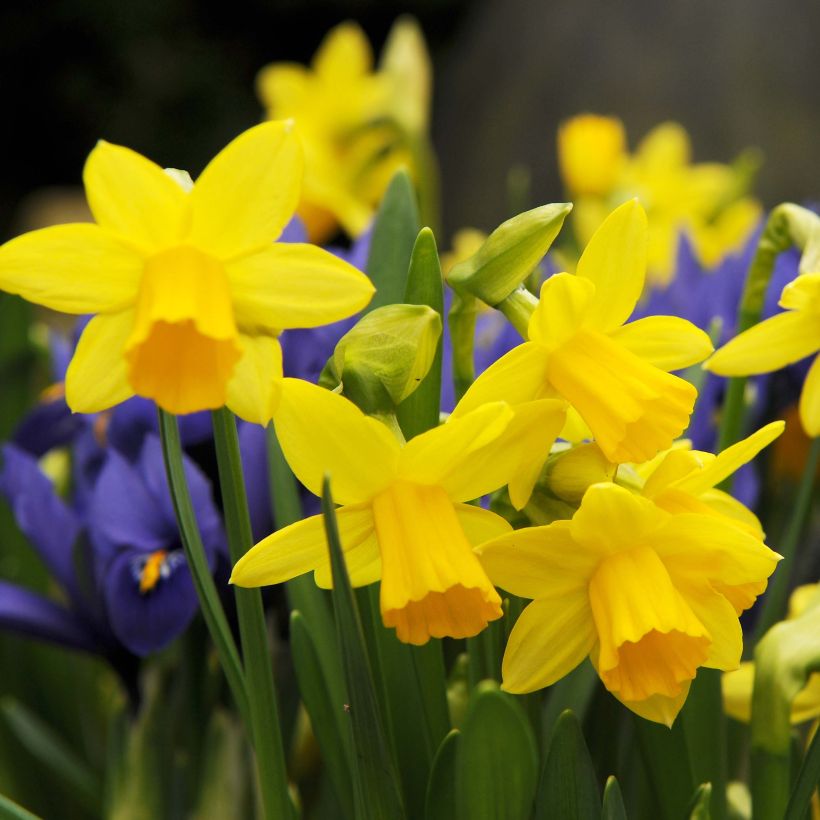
[151, 570]
[52, 393]
[100, 428]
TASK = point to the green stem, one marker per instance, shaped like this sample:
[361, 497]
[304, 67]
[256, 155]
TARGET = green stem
[462, 318]
[265, 730]
[774, 604]
[518, 307]
[198, 563]
[800, 799]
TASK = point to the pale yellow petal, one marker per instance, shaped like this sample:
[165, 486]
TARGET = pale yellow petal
[667, 342]
[562, 308]
[730, 460]
[299, 548]
[253, 391]
[248, 192]
[737, 691]
[294, 285]
[615, 261]
[803, 293]
[517, 377]
[549, 639]
[97, 374]
[538, 562]
[480, 525]
[810, 400]
[133, 198]
[71, 268]
[774, 343]
[282, 88]
[322, 433]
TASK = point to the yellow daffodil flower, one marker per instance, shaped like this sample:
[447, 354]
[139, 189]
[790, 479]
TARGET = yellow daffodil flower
[613, 374]
[188, 286]
[630, 586]
[779, 341]
[403, 517]
[349, 120]
[703, 200]
[738, 685]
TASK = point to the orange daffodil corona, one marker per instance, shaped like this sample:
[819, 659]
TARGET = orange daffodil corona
[189, 288]
[646, 594]
[612, 374]
[779, 341]
[403, 516]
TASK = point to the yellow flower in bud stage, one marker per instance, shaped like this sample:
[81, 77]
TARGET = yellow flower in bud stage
[403, 517]
[779, 341]
[189, 287]
[613, 374]
[349, 123]
[591, 154]
[703, 200]
[630, 586]
[738, 685]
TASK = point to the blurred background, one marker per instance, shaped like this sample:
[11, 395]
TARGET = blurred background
[175, 81]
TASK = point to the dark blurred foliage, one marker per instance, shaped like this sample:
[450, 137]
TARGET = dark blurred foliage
[175, 80]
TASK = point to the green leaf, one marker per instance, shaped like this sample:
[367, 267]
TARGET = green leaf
[807, 779]
[376, 783]
[497, 766]
[509, 254]
[573, 692]
[9, 810]
[420, 411]
[326, 710]
[394, 234]
[613, 805]
[440, 803]
[568, 787]
[701, 803]
[52, 751]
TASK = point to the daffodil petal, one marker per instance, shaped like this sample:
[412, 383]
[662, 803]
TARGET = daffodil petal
[667, 342]
[615, 261]
[466, 456]
[344, 53]
[97, 378]
[721, 622]
[810, 400]
[737, 691]
[294, 285]
[76, 268]
[299, 548]
[729, 506]
[562, 308]
[659, 708]
[695, 548]
[248, 192]
[517, 377]
[538, 562]
[361, 551]
[730, 460]
[134, 198]
[774, 343]
[322, 433]
[802, 293]
[549, 639]
[253, 391]
[282, 87]
[480, 525]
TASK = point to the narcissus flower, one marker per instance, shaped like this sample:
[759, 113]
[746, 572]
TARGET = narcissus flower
[350, 119]
[630, 586]
[591, 153]
[189, 287]
[403, 517]
[614, 375]
[779, 341]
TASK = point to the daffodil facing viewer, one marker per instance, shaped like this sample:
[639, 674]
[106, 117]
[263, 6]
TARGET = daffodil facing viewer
[630, 586]
[403, 517]
[613, 374]
[189, 288]
[779, 341]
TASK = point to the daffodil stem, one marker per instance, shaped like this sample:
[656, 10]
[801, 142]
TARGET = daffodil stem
[461, 319]
[198, 563]
[264, 729]
[774, 602]
[784, 228]
[518, 307]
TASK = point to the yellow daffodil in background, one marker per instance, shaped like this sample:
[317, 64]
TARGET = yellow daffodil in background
[353, 121]
[738, 685]
[613, 374]
[188, 286]
[779, 341]
[704, 200]
[632, 587]
[466, 242]
[403, 517]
